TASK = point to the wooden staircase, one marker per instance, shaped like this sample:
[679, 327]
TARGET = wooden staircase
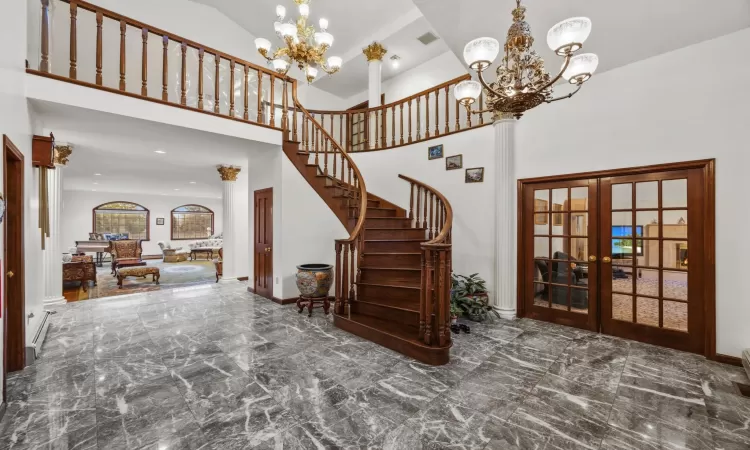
[393, 273]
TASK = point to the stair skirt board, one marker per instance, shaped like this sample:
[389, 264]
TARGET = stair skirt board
[434, 356]
[32, 350]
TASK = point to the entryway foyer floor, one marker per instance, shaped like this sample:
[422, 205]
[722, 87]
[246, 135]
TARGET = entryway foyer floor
[214, 367]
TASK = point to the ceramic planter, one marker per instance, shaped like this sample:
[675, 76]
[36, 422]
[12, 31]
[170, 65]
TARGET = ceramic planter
[314, 280]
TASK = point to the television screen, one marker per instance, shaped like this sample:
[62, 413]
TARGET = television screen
[622, 246]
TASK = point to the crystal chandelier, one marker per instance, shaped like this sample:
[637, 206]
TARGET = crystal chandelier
[522, 82]
[304, 46]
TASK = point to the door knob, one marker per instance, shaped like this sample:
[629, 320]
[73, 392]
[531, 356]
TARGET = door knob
[10, 274]
[607, 260]
[592, 258]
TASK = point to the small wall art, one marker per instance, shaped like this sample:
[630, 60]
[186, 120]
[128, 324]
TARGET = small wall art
[435, 152]
[160, 220]
[475, 175]
[454, 162]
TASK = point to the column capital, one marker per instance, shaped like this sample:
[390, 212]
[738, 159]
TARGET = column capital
[228, 173]
[62, 153]
[374, 52]
[500, 116]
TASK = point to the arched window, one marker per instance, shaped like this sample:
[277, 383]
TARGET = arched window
[192, 222]
[121, 220]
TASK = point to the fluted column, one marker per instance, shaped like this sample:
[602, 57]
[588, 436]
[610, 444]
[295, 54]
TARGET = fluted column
[229, 178]
[52, 255]
[505, 216]
[374, 54]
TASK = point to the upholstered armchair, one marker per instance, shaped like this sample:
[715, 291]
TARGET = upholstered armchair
[80, 268]
[173, 254]
[125, 250]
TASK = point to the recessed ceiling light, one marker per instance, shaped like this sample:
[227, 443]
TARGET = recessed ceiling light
[176, 189]
[96, 182]
[192, 182]
[97, 174]
[93, 190]
[161, 152]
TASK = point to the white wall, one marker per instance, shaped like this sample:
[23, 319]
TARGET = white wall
[429, 74]
[685, 105]
[473, 216]
[15, 122]
[304, 227]
[78, 206]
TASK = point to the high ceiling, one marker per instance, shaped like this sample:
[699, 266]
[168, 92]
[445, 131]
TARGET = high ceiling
[623, 32]
[123, 151]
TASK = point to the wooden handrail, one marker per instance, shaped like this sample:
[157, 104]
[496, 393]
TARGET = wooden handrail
[444, 234]
[357, 174]
[397, 102]
[135, 23]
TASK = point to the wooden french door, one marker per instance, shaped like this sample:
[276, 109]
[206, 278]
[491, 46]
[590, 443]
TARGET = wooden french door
[560, 237]
[609, 253]
[263, 247]
[649, 292]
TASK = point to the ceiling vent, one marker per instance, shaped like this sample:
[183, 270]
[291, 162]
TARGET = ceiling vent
[428, 38]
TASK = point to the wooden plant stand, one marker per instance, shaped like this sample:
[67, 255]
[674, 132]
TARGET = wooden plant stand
[310, 303]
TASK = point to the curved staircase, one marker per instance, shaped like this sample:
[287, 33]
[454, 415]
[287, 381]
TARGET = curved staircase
[392, 274]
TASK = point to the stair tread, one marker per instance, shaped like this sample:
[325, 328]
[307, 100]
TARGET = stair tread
[386, 285]
[392, 328]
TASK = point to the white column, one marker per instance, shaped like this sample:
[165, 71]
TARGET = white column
[505, 216]
[52, 256]
[374, 54]
[228, 178]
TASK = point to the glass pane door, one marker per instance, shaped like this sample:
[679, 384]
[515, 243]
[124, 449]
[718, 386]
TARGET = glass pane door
[560, 223]
[648, 223]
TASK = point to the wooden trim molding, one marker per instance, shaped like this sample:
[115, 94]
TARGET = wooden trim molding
[709, 292]
[726, 359]
[280, 301]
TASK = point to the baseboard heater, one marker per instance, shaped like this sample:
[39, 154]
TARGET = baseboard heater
[32, 350]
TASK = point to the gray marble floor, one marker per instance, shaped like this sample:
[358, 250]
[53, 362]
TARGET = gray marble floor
[214, 367]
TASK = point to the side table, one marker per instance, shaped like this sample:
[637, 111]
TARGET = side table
[314, 302]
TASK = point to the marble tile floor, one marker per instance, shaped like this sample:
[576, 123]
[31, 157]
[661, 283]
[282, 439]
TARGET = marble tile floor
[215, 367]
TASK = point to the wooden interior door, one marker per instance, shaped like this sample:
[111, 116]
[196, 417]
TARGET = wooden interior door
[649, 292]
[13, 302]
[263, 248]
[559, 238]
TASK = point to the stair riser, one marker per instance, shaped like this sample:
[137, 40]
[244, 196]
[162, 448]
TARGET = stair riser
[406, 233]
[409, 319]
[387, 223]
[400, 277]
[393, 246]
[406, 298]
[388, 301]
[373, 212]
[395, 261]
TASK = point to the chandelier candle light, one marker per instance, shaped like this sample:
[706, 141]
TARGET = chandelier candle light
[304, 46]
[522, 82]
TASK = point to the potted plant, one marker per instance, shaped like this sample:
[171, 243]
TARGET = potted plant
[469, 294]
[455, 312]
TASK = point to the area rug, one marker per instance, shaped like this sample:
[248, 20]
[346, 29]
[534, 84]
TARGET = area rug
[172, 275]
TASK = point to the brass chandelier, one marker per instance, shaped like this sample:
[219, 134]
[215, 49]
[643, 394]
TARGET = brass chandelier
[304, 46]
[522, 82]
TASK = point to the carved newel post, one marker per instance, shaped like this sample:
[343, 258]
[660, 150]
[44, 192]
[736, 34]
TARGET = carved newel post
[228, 178]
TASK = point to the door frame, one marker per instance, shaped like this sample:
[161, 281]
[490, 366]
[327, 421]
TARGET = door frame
[708, 166]
[255, 239]
[14, 355]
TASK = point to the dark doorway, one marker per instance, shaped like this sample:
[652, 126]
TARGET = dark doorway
[263, 247]
[13, 265]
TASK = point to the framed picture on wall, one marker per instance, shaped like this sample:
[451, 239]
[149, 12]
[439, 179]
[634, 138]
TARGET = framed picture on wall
[475, 175]
[160, 220]
[454, 162]
[435, 152]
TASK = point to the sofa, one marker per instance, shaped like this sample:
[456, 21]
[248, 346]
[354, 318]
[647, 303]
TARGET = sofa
[173, 254]
[209, 247]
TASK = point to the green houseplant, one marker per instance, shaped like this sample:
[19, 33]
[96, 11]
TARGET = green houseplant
[469, 295]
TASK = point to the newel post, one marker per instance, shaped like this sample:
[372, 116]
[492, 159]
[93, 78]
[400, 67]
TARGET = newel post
[44, 62]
